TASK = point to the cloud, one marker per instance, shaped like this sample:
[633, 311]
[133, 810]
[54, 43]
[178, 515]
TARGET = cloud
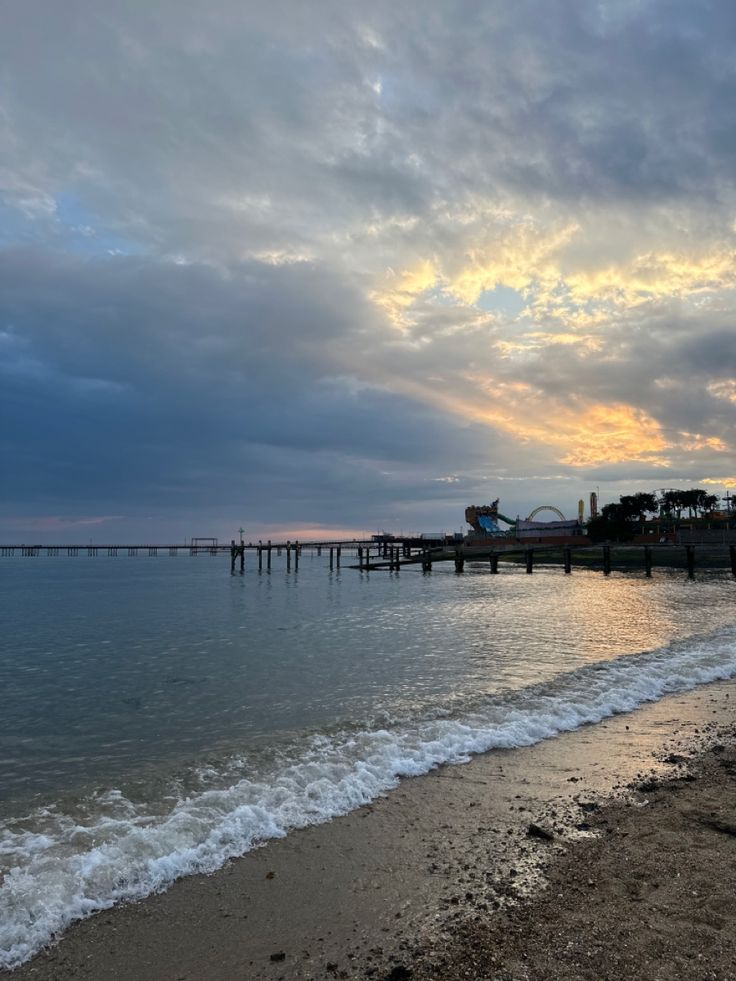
[178, 386]
[344, 254]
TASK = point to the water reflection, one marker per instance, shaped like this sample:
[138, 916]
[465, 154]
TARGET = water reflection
[154, 662]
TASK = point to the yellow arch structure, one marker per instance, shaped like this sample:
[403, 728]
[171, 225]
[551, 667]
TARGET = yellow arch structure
[546, 507]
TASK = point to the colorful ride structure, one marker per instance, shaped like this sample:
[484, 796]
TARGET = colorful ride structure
[484, 519]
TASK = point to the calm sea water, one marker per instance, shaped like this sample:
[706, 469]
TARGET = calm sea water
[160, 716]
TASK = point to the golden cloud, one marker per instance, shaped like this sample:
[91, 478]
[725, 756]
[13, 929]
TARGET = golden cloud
[723, 389]
[719, 481]
[544, 263]
[582, 433]
[401, 290]
[696, 441]
[518, 257]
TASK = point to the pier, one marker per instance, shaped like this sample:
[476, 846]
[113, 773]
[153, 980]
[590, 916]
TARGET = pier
[393, 555]
[606, 557]
[197, 546]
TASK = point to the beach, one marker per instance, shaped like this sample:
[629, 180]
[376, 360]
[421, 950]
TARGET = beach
[441, 878]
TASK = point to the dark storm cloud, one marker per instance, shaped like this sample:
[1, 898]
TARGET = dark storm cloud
[124, 379]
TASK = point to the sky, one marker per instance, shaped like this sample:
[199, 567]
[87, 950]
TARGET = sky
[320, 269]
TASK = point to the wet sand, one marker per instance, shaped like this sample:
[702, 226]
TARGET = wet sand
[650, 896]
[430, 879]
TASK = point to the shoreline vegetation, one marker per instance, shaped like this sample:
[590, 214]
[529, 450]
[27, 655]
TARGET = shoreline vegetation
[607, 852]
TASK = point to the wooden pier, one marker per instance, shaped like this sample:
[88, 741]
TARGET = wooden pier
[410, 553]
[607, 557]
[192, 548]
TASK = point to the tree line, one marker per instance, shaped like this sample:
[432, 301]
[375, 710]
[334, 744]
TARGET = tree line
[619, 521]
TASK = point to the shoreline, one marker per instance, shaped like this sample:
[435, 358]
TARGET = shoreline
[344, 898]
[648, 895]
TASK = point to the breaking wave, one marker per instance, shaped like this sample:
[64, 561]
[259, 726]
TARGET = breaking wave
[58, 868]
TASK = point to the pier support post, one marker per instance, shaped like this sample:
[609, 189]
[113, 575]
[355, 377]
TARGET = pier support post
[288, 557]
[297, 550]
[459, 561]
[260, 558]
[606, 560]
[241, 551]
[360, 556]
[233, 553]
[332, 558]
[494, 563]
[690, 556]
[732, 553]
[339, 553]
[530, 561]
[426, 561]
[567, 558]
[648, 561]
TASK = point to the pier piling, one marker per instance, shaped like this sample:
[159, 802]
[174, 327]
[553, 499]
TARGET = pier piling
[567, 558]
[494, 563]
[606, 560]
[529, 560]
[732, 554]
[690, 556]
[648, 561]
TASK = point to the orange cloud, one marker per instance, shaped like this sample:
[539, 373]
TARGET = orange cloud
[696, 441]
[719, 481]
[582, 433]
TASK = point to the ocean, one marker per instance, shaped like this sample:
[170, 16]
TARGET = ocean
[160, 716]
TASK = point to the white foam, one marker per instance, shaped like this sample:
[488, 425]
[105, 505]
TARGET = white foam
[57, 870]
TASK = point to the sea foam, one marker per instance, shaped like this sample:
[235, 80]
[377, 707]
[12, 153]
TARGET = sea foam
[57, 869]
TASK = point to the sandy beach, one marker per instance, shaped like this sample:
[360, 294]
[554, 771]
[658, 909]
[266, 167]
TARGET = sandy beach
[627, 872]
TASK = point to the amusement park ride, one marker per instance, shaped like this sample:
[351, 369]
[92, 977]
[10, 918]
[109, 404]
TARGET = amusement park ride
[485, 517]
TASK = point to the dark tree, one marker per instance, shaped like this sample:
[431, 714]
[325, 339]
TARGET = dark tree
[639, 505]
[710, 502]
[671, 503]
[613, 524]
